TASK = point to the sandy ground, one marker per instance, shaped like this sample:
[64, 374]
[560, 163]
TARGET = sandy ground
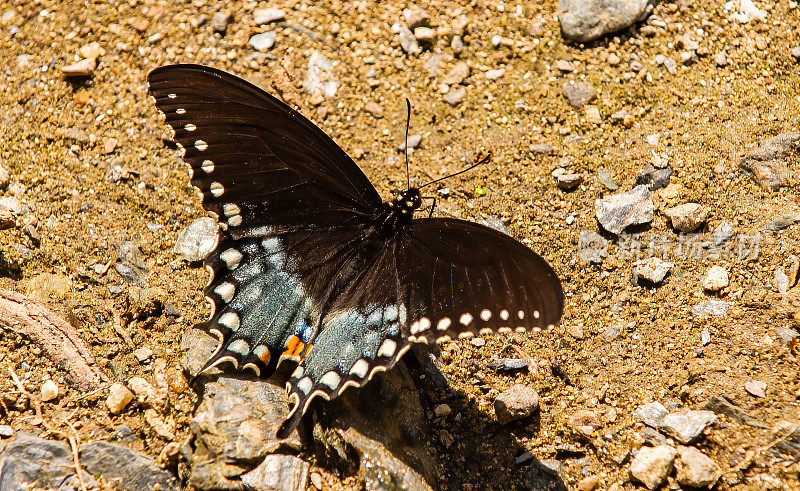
[54, 142]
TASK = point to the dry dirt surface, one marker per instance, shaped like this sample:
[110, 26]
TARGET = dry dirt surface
[90, 166]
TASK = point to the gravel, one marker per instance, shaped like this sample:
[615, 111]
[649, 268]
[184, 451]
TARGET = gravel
[617, 212]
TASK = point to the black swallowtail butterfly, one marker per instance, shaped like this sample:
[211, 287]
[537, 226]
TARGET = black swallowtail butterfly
[312, 265]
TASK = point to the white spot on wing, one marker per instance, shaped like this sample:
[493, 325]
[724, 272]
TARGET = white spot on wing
[230, 209]
[232, 257]
[207, 166]
[443, 324]
[216, 189]
[180, 110]
[521, 315]
[172, 96]
[235, 220]
[298, 372]
[465, 319]
[190, 127]
[331, 379]
[240, 347]
[465, 335]
[200, 145]
[424, 324]
[504, 315]
[388, 346]
[230, 320]
[226, 291]
[305, 385]
[360, 368]
[486, 314]
[536, 314]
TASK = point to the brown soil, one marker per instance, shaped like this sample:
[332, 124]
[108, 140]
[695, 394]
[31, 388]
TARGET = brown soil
[53, 134]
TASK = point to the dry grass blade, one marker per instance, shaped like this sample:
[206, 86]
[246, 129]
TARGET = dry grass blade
[533, 367]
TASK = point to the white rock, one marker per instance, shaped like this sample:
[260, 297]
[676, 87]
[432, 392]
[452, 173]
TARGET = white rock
[83, 68]
[716, 279]
[687, 426]
[687, 217]
[495, 74]
[262, 42]
[652, 269]
[652, 465]
[267, 15]
[49, 390]
[319, 78]
[651, 414]
[118, 398]
[278, 472]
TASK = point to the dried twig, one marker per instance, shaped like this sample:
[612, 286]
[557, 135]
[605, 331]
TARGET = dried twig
[59, 340]
[533, 367]
[37, 406]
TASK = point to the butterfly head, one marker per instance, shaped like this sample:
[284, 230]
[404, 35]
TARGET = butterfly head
[408, 201]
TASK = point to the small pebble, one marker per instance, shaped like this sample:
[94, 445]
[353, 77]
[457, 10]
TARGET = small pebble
[146, 394]
[651, 414]
[585, 422]
[518, 402]
[705, 337]
[6, 431]
[617, 212]
[316, 480]
[495, 74]
[653, 269]
[796, 52]
[541, 149]
[219, 21]
[695, 469]
[457, 75]
[652, 465]
[49, 390]
[716, 279]
[578, 93]
[110, 145]
[716, 308]
[262, 42]
[442, 410]
[589, 483]
[118, 398]
[613, 59]
[564, 66]
[374, 109]
[569, 181]
[756, 388]
[606, 179]
[411, 143]
[425, 35]
[415, 17]
[721, 59]
[5, 177]
[687, 426]
[687, 217]
[455, 96]
[139, 24]
[781, 281]
[83, 68]
[143, 354]
[508, 364]
[267, 15]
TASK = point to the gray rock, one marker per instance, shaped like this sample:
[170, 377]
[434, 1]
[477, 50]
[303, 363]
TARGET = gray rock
[319, 79]
[197, 240]
[28, 462]
[518, 402]
[267, 15]
[457, 75]
[592, 247]
[653, 177]
[128, 468]
[652, 269]
[606, 179]
[651, 414]
[495, 223]
[781, 281]
[198, 347]
[715, 308]
[508, 364]
[619, 211]
[768, 163]
[278, 473]
[687, 426]
[263, 41]
[543, 475]
[652, 465]
[695, 469]
[783, 222]
[687, 217]
[585, 20]
[220, 21]
[578, 93]
[411, 143]
[455, 96]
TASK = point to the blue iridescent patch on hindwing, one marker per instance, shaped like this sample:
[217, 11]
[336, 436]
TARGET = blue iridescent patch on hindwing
[352, 346]
[258, 305]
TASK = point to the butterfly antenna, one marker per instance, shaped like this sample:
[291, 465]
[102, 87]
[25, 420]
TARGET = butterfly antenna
[486, 158]
[405, 145]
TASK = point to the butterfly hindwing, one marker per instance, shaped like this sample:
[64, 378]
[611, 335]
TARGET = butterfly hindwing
[461, 279]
